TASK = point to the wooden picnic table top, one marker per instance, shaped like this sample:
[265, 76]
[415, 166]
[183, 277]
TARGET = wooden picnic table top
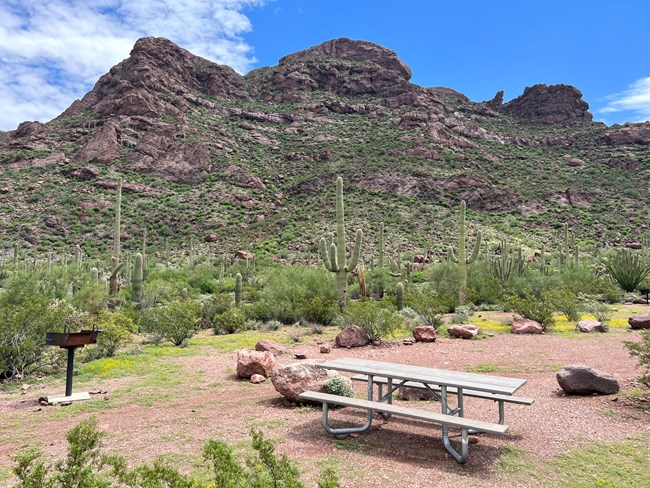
[433, 376]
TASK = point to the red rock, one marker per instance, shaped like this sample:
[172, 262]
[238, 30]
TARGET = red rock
[641, 321]
[290, 381]
[270, 346]
[352, 336]
[464, 331]
[525, 326]
[424, 334]
[254, 362]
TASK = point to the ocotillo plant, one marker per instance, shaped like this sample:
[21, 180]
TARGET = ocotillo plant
[400, 296]
[116, 265]
[136, 279]
[334, 257]
[461, 258]
[237, 289]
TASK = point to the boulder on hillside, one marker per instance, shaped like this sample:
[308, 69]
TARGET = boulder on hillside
[425, 333]
[254, 362]
[463, 331]
[270, 346]
[641, 321]
[578, 379]
[290, 381]
[589, 326]
[526, 326]
[352, 336]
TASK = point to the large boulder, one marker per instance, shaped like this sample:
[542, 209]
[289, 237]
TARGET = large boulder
[424, 333]
[641, 321]
[526, 326]
[464, 331]
[270, 346]
[352, 336]
[589, 326]
[290, 381]
[578, 379]
[251, 362]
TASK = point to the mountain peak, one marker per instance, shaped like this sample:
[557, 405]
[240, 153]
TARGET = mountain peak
[352, 50]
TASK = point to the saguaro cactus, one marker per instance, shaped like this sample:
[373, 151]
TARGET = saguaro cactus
[400, 296]
[381, 245]
[461, 258]
[334, 257]
[137, 277]
[116, 265]
[238, 289]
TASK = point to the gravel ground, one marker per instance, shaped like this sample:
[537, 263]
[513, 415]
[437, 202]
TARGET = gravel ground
[398, 452]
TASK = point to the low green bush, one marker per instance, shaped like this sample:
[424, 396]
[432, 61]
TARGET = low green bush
[338, 385]
[642, 351]
[231, 321]
[117, 331]
[426, 303]
[533, 308]
[375, 319]
[566, 302]
[26, 315]
[86, 467]
[175, 322]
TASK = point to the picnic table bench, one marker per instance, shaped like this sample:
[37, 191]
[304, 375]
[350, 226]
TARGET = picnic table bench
[440, 382]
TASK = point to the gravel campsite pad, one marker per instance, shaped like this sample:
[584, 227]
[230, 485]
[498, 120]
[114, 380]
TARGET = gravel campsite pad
[171, 406]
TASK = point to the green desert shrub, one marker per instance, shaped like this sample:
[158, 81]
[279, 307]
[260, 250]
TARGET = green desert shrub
[231, 321]
[320, 310]
[627, 268]
[443, 278]
[642, 351]
[175, 322]
[289, 290]
[531, 307]
[217, 304]
[426, 303]
[117, 331]
[566, 302]
[338, 385]
[25, 317]
[86, 467]
[375, 319]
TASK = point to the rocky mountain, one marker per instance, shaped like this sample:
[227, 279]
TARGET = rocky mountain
[250, 160]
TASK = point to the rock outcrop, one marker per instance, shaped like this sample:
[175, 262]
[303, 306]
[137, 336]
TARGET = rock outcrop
[549, 104]
[341, 66]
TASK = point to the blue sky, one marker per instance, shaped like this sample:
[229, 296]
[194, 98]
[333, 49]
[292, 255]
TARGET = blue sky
[52, 52]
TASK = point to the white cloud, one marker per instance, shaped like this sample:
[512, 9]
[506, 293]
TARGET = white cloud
[635, 101]
[51, 53]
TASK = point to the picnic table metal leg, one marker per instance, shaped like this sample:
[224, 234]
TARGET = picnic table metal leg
[344, 430]
[460, 457]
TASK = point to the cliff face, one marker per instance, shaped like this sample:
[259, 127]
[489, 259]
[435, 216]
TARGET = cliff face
[258, 145]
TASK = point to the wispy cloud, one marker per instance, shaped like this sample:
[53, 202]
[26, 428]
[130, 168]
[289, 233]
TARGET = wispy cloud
[635, 101]
[52, 52]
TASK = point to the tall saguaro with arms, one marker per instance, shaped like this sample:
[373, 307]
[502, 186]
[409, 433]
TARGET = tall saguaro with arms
[461, 258]
[333, 253]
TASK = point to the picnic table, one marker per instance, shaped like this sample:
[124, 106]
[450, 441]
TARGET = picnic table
[440, 382]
